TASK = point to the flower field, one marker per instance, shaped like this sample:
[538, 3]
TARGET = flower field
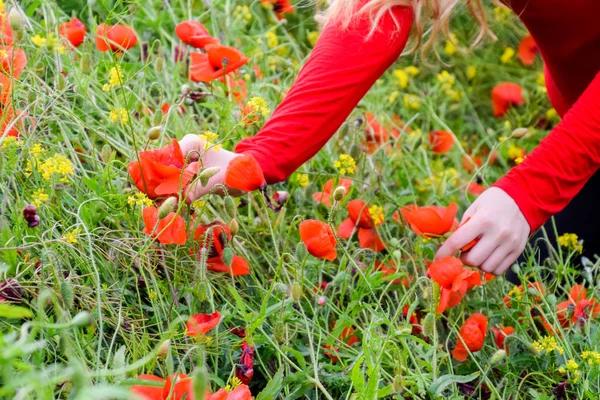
[113, 286]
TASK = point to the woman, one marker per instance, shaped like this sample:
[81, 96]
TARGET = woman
[363, 38]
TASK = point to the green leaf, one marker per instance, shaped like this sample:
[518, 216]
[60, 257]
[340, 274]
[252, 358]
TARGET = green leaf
[357, 376]
[441, 383]
[273, 387]
[15, 312]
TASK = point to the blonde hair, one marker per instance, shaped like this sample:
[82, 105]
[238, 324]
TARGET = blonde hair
[432, 15]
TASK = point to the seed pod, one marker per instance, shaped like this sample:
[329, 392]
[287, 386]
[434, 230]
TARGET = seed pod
[279, 331]
[230, 207]
[398, 384]
[106, 153]
[301, 252]
[227, 256]
[163, 349]
[16, 19]
[296, 292]
[280, 197]
[321, 300]
[519, 133]
[551, 299]
[339, 193]
[234, 227]
[498, 356]
[354, 151]
[66, 291]
[429, 325]
[159, 64]
[82, 319]
[154, 132]
[86, 62]
[167, 207]
[208, 173]
[185, 89]
[200, 382]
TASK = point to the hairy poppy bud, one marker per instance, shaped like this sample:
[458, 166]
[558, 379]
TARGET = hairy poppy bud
[429, 325]
[234, 227]
[355, 151]
[66, 292]
[200, 382]
[16, 19]
[398, 384]
[498, 356]
[167, 207]
[279, 332]
[301, 252]
[230, 207]
[519, 133]
[84, 318]
[11, 290]
[163, 349]
[154, 132]
[227, 256]
[30, 215]
[185, 89]
[106, 153]
[159, 64]
[551, 299]
[60, 82]
[86, 62]
[339, 193]
[208, 173]
[296, 292]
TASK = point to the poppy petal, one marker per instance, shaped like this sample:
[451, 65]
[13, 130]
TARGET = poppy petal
[318, 238]
[244, 173]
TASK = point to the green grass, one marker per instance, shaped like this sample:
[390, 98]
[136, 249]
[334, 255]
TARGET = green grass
[95, 312]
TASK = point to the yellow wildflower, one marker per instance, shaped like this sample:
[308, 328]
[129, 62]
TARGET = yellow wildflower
[199, 204]
[519, 160]
[119, 115]
[548, 344]
[272, 40]
[551, 114]
[71, 236]
[9, 141]
[453, 95]
[243, 13]
[412, 70]
[412, 102]
[258, 105]
[571, 241]
[37, 150]
[60, 49]
[508, 55]
[39, 197]
[302, 179]
[139, 199]
[446, 79]
[501, 13]
[38, 40]
[312, 37]
[377, 214]
[592, 357]
[514, 152]
[450, 47]
[346, 164]
[471, 72]
[115, 78]
[393, 96]
[56, 165]
[209, 139]
[401, 78]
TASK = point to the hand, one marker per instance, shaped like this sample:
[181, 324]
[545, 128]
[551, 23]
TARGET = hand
[496, 220]
[210, 158]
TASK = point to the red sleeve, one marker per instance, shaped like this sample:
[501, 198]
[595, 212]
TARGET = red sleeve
[340, 70]
[557, 169]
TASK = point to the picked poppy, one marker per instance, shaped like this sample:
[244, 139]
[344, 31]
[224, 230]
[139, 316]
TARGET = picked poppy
[500, 335]
[528, 50]
[115, 37]
[73, 31]
[244, 173]
[431, 221]
[202, 323]
[161, 172]
[244, 370]
[215, 63]
[505, 95]
[454, 281]
[170, 230]
[441, 141]
[280, 7]
[324, 197]
[13, 61]
[471, 336]
[318, 238]
[472, 243]
[194, 34]
[578, 309]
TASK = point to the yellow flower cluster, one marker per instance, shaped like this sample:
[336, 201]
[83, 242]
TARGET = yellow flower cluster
[139, 199]
[515, 293]
[571, 241]
[450, 46]
[572, 367]
[115, 78]
[302, 179]
[412, 102]
[514, 152]
[440, 180]
[209, 139]
[346, 164]
[272, 40]
[71, 236]
[501, 13]
[39, 197]
[50, 43]
[592, 357]
[312, 37]
[403, 75]
[234, 382]
[471, 72]
[37, 150]
[447, 82]
[56, 165]
[9, 141]
[259, 106]
[243, 13]
[377, 214]
[393, 96]
[119, 115]
[507, 56]
[548, 344]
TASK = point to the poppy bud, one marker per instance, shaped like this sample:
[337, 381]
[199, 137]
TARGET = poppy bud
[234, 227]
[185, 89]
[154, 132]
[551, 299]
[200, 380]
[280, 287]
[296, 292]
[11, 290]
[230, 207]
[279, 332]
[82, 319]
[167, 207]
[66, 292]
[227, 256]
[208, 173]
[159, 64]
[30, 215]
[498, 356]
[16, 19]
[60, 82]
[301, 252]
[516, 269]
[355, 151]
[519, 133]
[163, 349]
[339, 193]
[106, 153]
[321, 300]
[86, 62]
[398, 384]
[281, 197]
[429, 325]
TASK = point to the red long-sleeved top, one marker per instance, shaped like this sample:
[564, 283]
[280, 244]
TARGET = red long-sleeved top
[343, 66]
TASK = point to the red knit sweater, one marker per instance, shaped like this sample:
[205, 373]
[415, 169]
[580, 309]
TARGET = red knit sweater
[343, 66]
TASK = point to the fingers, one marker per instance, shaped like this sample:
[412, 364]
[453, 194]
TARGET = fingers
[463, 235]
[497, 258]
[481, 252]
[196, 190]
[193, 143]
[469, 213]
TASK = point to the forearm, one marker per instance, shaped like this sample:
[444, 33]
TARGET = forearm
[340, 70]
[546, 181]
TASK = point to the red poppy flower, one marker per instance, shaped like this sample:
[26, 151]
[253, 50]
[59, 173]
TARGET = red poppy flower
[359, 213]
[280, 7]
[475, 188]
[471, 336]
[239, 266]
[517, 293]
[160, 172]
[578, 309]
[7, 119]
[414, 321]
[219, 237]
[527, 50]
[376, 135]
[454, 281]
[149, 392]
[178, 387]
[392, 270]
[431, 221]
[6, 31]
[324, 197]
[13, 61]
[369, 239]
[217, 62]
[73, 31]
[5, 89]
[472, 243]
[194, 34]
[359, 216]
[469, 162]
[500, 335]
[441, 141]
[170, 230]
[244, 173]
[115, 37]
[505, 95]
[244, 370]
[241, 392]
[347, 336]
[202, 323]
[318, 238]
